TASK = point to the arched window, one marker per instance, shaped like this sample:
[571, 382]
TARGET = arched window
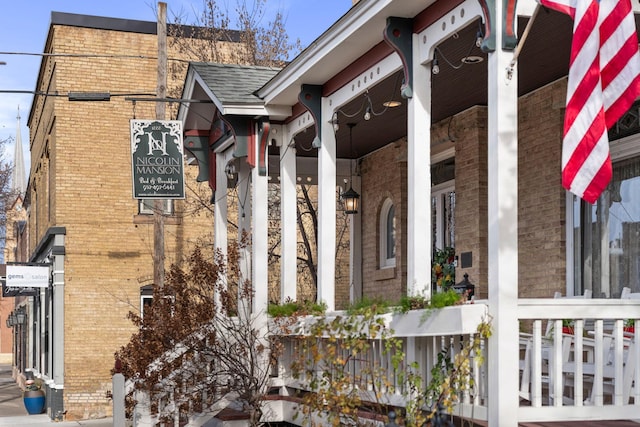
[387, 235]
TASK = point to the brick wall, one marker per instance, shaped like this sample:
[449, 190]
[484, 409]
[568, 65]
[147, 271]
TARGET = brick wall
[541, 217]
[542, 200]
[469, 129]
[81, 180]
[383, 176]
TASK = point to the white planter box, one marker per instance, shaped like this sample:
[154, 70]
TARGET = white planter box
[454, 320]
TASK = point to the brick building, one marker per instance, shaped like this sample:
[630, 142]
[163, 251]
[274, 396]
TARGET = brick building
[83, 220]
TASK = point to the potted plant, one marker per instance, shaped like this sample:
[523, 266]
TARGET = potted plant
[567, 326]
[33, 397]
[629, 326]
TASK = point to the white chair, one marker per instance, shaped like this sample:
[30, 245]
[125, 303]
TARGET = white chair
[548, 353]
[627, 294]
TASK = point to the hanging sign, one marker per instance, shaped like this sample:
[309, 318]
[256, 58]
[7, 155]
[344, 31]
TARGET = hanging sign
[157, 159]
[23, 280]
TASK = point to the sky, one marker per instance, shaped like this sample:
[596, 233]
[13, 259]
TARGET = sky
[24, 25]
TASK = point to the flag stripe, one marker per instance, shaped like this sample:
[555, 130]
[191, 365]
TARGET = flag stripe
[603, 83]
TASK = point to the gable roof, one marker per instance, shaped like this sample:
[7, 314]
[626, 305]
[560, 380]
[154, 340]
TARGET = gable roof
[234, 84]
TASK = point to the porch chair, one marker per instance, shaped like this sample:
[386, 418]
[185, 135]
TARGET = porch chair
[613, 374]
[627, 294]
[547, 352]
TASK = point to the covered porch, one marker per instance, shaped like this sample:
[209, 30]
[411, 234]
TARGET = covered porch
[324, 117]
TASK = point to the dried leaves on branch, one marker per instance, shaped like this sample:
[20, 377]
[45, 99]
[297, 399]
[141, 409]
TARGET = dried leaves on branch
[262, 41]
[199, 342]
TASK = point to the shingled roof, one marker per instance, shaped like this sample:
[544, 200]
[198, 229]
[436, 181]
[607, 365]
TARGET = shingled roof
[234, 84]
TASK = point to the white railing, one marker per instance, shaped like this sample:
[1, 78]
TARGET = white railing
[556, 383]
[589, 373]
[425, 335]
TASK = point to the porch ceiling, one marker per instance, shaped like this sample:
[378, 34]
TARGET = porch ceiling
[544, 59]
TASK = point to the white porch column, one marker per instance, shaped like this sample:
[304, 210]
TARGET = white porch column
[327, 210]
[259, 238]
[244, 218]
[288, 218]
[419, 177]
[503, 233]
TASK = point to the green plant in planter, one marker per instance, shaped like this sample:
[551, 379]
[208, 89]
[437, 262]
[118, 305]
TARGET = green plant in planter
[373, 305]
[32, 385]
[629, 325]
[334, 362]
[567, 326]
[291, 308]
[414, 302]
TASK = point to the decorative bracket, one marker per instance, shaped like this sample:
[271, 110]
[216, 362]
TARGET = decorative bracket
[399, 35]
[509, 36]
[311, 98]
[199, 144]
[263, 134]
[242, 129]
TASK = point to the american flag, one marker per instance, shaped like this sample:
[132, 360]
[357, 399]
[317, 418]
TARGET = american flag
[604, 80]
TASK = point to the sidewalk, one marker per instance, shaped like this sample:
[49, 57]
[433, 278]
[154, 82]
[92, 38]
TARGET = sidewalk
[13, 413]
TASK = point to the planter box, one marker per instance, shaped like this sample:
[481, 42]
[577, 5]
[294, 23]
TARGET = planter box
[455, 320]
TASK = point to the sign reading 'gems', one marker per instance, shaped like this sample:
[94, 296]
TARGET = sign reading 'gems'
[158, 167]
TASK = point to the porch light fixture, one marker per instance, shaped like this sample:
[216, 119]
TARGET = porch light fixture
[465, 60]
[479, 35]
[21, 317]
[367, 113]
[435, 68]
[351, 201]
[12, 319]
[350, 198]
[392, 104]
[472, 59]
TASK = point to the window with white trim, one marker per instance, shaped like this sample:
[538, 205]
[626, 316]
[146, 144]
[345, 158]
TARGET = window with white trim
[606, 235]
[387, 235]
[146, 298]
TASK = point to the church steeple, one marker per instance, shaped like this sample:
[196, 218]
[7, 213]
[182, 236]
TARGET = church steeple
[18, 177]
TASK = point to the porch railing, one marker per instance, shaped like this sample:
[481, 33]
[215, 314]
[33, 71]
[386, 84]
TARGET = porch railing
[588, 370]
[591, 373]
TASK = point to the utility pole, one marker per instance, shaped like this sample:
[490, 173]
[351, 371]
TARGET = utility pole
[158, 205]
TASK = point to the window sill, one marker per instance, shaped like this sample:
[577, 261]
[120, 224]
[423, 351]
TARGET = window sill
[385, 273]
[148, 219]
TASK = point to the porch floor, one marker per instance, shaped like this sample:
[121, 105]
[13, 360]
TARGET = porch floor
[618, 423]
